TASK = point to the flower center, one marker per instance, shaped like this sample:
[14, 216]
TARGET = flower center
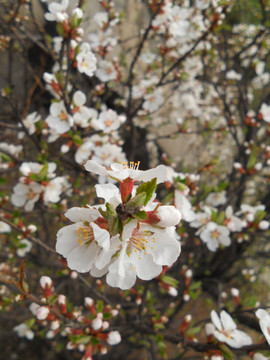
[141, 241]
[63, 116]
[215, 234]
[131, 165]
[85, 235]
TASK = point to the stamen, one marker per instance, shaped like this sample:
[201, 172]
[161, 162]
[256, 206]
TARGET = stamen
[131, 165]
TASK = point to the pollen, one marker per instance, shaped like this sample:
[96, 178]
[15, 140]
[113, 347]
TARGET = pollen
[85, 235]
[131, 165]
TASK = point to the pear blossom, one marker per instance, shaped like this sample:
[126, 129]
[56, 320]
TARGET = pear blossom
[124, 171]
[23, 330]
[86, 60]
[214, 235]
[264, 320]
[226, 330]
[59, 119]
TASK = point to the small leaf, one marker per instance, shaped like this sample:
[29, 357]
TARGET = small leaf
[141, 215]
[149, 188]
[137, 201]
[80, 339]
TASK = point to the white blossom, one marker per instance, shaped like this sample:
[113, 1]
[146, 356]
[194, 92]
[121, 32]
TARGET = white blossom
[227, 332]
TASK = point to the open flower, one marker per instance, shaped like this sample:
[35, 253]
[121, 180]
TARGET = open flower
[23, 330]
[59, 119]
[145, 249]
[86, 60]
[227, 332]
[82, 243]
[124, 171]
[214, 235]
[26, 195]
[264, 318]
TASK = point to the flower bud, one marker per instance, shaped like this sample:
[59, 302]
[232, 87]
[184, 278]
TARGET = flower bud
[42, 312]
[114, 338]
[169, 216]
[45, 282]
[96, 323]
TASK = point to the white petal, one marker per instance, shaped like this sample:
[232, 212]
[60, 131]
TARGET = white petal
[82, 257]
[102, 237]
[215, 320]
[227, 321]
[76, 214]
[94, 167]
[79, 98]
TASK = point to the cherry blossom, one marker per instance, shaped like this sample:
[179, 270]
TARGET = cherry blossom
[108, 121]
[226, 330]
[57, 11]
[264, 319]
[86, 60]
[106, 71]
[83, 242]
[26, 195]
[214, 235]
[144, 251]
[82, 114]
[4, 228]
[23, 330]
[59, 119]
[124, 171]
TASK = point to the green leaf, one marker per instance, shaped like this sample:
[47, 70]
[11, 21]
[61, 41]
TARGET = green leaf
[52, 299]
[137, 201]
[169, 280]
[99, 306]
[259, 216]
[226, 352]
[141, 215]
[80, 339]
[193, 331]
[60, 30]
[43, 172]
[149, 188]
[220, 218]
[214, 215]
